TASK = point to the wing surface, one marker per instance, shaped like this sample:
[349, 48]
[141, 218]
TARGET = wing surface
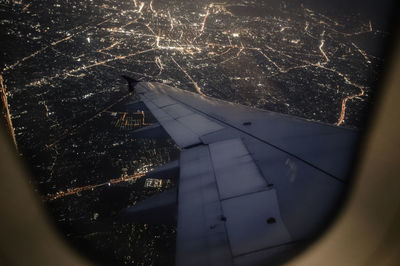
[252, 183]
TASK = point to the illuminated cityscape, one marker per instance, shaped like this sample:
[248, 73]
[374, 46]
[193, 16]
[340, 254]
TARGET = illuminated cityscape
[73, 118]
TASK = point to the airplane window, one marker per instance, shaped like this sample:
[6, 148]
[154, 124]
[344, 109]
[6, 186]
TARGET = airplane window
[135, 117]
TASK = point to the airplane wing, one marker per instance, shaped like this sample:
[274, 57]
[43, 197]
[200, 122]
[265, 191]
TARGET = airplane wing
[252, 183]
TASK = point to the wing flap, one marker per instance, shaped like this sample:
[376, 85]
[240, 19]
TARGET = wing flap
[215, 227]
[183, 125]
[199, 124]
[201, 234]
[182, 135]
[235, 170]
[177, 110]
[254, 222]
